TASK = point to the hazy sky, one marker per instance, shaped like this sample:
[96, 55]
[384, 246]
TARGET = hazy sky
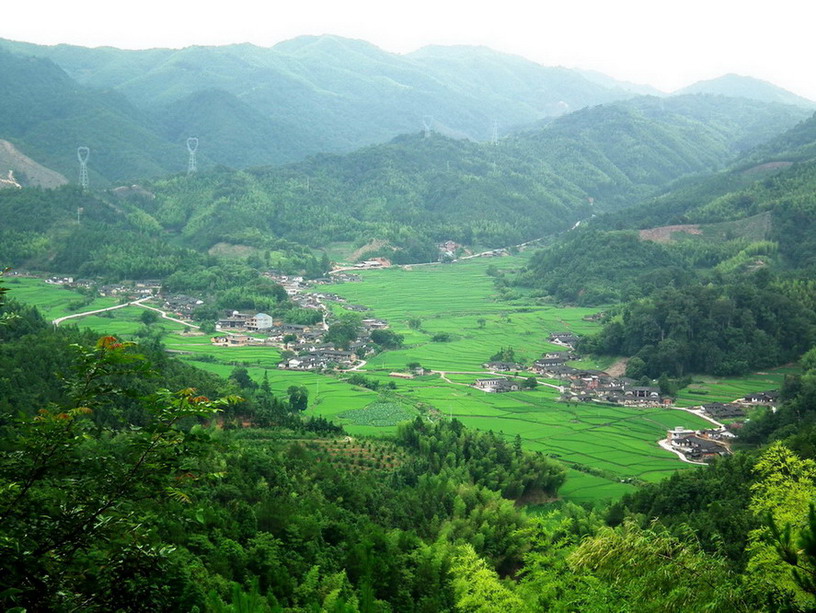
[665, 43]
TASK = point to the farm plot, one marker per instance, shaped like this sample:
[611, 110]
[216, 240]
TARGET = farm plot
[710, 389]
[53, 300]
[460, 303]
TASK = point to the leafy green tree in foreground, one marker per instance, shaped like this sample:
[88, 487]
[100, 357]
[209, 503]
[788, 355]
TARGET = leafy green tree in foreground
[77, 499]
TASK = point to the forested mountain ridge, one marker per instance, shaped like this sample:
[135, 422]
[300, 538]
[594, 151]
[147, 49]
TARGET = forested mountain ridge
[46, 115]
[325, 94]
[746, 87]
[343, 93]
[416, 191]
[759, 211]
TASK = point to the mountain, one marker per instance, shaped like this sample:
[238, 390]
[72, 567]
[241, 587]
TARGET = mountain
[340, 94]
[417, 190]
[759, 213]
[47, 115]
[739, 86]
[230, 131]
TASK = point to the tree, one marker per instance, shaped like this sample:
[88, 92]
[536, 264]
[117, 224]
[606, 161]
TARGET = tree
[478, 588]
[73, 493]
[241, 376]
[530, 383]
[780, 550]
[148, 316]
[387, 339]
[504, 354]
[298, 397]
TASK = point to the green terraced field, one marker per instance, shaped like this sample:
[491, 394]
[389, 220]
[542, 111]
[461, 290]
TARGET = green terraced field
[613, 443]
[710, 389]
[453, 299]
[52, 300]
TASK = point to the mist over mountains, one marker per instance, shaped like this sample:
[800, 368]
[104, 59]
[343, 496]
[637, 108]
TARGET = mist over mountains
[253, 106]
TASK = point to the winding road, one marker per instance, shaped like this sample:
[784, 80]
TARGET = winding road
[138, 303]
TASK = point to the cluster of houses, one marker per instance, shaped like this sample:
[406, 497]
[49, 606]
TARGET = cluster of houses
[720, 411]
[130, 290]
[181, 305]
[700, 445]
[373, 263]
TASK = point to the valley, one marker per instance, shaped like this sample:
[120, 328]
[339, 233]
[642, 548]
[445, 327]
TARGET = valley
[441, 331]
[608, 448]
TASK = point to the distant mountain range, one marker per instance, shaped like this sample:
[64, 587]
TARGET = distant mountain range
[253, 106]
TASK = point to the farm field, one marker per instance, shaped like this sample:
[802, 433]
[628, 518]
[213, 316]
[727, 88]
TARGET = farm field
[53, 300]
[458, 300]
[614, 443]
[706, 389]
[605, 447]
[619, 442]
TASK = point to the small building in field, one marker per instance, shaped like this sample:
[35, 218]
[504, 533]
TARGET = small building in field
[497, 385]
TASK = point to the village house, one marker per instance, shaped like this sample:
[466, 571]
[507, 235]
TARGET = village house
[374, 324]
[234, 321]
[566, 339]
[555, 372]
[695, 447]
[260, 321]
[699, 445]
[718, 410]
[310, 362]
[769, 397]
[181, 304]
[113, 289]
[643, 396]
[497, 385]
[359, 308]
[232, 340]
[558, 355]
[545, 364]
[59, 280]
[503, 366]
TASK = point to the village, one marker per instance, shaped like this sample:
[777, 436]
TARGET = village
[595, 386]
[306, 348]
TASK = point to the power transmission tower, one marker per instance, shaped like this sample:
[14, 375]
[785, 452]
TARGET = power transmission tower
[427, 122]
[494, 136]
[83, 153]
[192, 147]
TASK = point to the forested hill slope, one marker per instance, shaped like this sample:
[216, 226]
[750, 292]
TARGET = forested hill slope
[346, 92]
[417, 190]
[254, 106]
[47, 115]
[723, 285]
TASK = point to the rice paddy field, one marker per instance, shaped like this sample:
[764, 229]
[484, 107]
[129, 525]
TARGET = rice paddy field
[710, 389]
[52, 300]
[606, 448]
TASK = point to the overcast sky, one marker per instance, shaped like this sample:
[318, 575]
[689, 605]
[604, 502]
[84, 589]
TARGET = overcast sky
[667, 44]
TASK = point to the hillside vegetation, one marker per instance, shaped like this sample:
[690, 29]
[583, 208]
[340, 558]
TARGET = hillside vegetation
[251, 106]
